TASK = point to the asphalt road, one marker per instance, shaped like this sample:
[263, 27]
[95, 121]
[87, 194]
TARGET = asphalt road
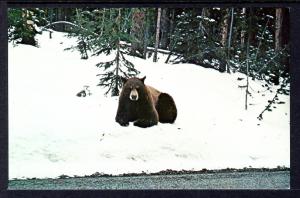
[232, 180]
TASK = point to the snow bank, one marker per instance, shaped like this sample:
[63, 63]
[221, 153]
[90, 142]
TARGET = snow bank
[54, 132]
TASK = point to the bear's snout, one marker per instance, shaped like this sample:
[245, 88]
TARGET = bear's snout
[134, 96]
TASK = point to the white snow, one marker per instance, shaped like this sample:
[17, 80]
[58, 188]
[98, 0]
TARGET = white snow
[54, 132]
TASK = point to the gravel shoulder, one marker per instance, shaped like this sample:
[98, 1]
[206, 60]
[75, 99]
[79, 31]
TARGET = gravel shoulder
[218, 180]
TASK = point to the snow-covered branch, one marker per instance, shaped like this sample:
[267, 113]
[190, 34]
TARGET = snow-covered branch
[95, 34]
[68, 23]
[271, 60]
[270, 102]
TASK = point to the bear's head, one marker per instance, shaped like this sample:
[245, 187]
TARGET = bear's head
[134, 88]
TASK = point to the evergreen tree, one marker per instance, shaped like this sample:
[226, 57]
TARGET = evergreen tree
[192, 40]
[83, 31]
[105, 31]
[22, 24]
[264, 60]
[210, 37]
[113, 33]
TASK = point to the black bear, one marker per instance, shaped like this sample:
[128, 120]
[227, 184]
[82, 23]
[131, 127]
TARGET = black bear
[144, 105]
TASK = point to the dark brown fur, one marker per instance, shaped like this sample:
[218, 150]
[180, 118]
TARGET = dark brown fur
[151, 107]
[166, 108]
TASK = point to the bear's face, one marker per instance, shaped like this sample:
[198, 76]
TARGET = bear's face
[134, 94]
[134, 88]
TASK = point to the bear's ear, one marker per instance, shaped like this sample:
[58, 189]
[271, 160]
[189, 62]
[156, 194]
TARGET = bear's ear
[143, 79]
[124, 80]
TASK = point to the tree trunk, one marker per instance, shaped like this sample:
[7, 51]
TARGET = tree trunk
[102, 23]
[137, 32]
[229, 40]
[243, 32]
[115, 91]
[50, 17]
[278, 29]
[62, 14]
[157, 34]
[60, 17]
[171, 43]
[285, 37]
[285, 26]
[165, 27]
[278, 40]
[146, 33]
[225, 29]
[247, 61]
[282, 31]
[201, 31]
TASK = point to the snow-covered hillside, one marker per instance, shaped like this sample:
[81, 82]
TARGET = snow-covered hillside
[53, 132]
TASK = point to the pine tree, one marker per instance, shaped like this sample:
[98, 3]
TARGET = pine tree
[103, 31]
[83, 35]
[192, 40]
[267, 59]
[22, 24]
[119, 66]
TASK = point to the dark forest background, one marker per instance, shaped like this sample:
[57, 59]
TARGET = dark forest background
[253, 41]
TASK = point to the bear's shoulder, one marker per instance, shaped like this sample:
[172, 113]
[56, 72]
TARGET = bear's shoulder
[154, 93]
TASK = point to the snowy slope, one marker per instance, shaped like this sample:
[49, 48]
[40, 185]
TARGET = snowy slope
[54, 132]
